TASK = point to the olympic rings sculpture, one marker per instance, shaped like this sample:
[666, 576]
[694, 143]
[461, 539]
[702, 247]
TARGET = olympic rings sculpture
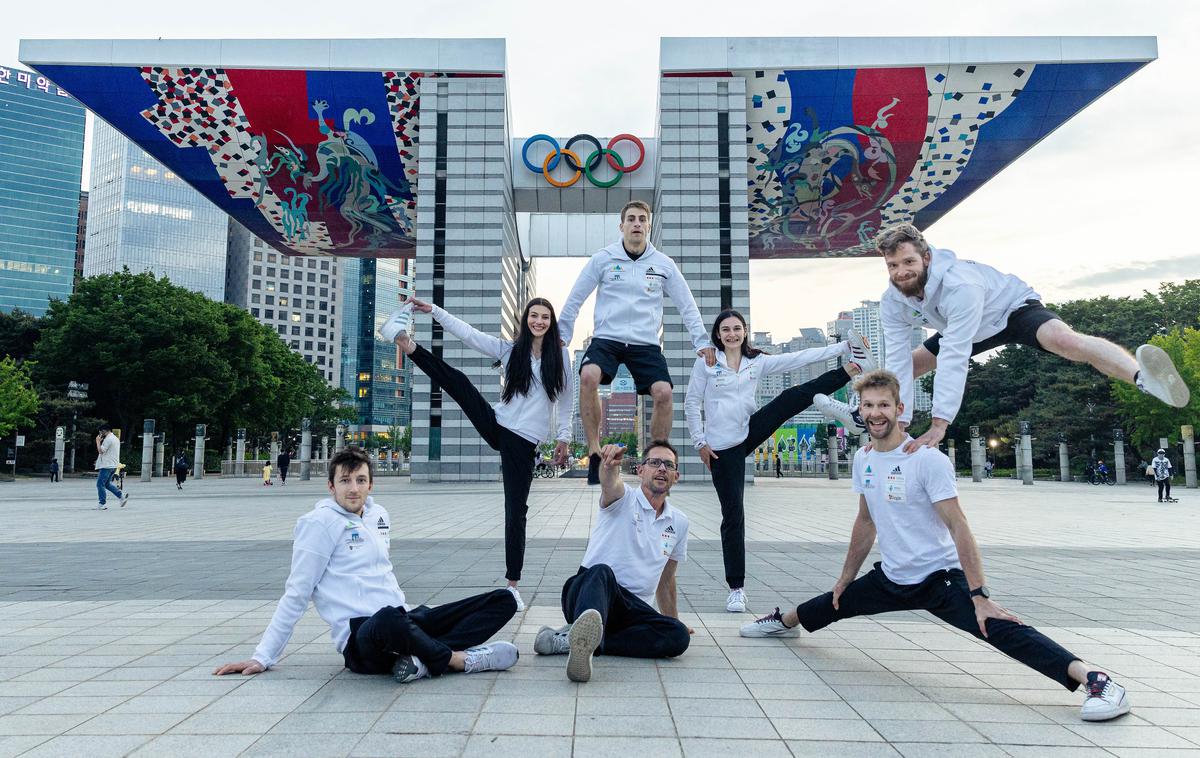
[585, 167]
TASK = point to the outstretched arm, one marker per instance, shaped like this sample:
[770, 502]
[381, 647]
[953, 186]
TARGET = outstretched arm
[493, 347]
[612, 488]
[681, 295]
[310, 557]
[587, 282]
[862, 537]
[971, 561]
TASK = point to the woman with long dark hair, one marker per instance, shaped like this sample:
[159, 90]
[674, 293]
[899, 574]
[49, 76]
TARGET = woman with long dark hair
[537, 377]
[732, 429]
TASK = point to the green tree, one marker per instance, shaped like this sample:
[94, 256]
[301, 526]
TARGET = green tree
[18, 398]
[629, 439]
[405, 443]
[19, 332]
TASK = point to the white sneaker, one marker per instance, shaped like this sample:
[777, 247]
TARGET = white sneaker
[102, 507]
[400, 321]
[1158, 376]
[737, 601]
[494, 656]
[582, 640]
[1105, 698]
[860, 351]
[517, 596]
[839, 411]
[124, 499]
[770, 625]
[551, 641]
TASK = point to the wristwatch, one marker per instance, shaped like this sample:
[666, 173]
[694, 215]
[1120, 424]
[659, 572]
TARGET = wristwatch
[981, 591]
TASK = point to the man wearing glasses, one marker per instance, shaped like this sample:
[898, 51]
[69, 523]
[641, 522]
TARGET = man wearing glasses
[636, 545]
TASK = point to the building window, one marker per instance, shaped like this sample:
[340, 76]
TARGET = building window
[257, 255]
[296, 318]
[270, 299]
[256, 284]
[270, 313]
[256, 298]
[283, 301]
[257, 270]
[308, 332]
[311, 291]
[295, 330]
[254, 312]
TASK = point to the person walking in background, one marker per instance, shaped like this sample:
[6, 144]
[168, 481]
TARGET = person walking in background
[267, 474]
[282, 461]
[1162, 475]
[181, 470]
[108, 449]
[778, 467]
[54, 470]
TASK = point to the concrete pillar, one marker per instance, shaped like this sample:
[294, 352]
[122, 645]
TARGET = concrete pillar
[239, 463]
[340, 442]
[198, 460]
[147, 449]
[831, 430]
[1064, 460]
[323, 451]
[274, 447]
[60, 445]
[160, 444]
[1119, 455]
[1189, 456]
[1163, 442]
[228, 449]
[1026, 453]
[952, 455]
[305, 449]
[976, 455]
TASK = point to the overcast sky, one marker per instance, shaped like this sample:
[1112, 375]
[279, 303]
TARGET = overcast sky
[1099, 207]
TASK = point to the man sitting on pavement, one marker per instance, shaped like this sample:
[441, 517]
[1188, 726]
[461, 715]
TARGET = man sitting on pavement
[930, 560]
[636, 545]
[340, 562]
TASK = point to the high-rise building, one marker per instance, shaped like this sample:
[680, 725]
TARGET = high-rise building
[297, 296]
[374, 371]
[41, 161]
[143, 216]
[770, 386]
[867, 323]
[80, 235]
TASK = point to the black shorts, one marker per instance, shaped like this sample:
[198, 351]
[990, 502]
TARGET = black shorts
[645, 362]
[1021, 329]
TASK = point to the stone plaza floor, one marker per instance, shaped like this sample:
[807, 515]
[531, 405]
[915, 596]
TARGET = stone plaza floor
[111, 623]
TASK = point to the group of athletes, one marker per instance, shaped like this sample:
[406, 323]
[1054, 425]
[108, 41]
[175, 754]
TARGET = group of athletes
[906, 488]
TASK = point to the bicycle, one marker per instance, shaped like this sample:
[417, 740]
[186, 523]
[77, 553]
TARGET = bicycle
[1102, 478]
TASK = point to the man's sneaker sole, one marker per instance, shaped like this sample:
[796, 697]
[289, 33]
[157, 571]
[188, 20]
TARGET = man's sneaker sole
[860, 351]
[1120, 709]
[405, 670]
[1155, 365]
[584, 638]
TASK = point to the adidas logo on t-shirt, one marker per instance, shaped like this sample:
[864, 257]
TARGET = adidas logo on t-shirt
[670, 529]
[382, 524]
[897, 470]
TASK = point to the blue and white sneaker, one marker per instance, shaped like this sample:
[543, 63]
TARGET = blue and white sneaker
[1105, 698]
[860, 351]
[839, 411]
[399, 322]
[770, 625]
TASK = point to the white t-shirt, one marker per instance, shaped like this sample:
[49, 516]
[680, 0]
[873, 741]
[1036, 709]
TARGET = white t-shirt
[901, 489]
[110, 452]
[634, 544]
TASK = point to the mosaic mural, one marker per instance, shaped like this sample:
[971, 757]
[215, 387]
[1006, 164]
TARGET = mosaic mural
[313, 162]
[834, 155]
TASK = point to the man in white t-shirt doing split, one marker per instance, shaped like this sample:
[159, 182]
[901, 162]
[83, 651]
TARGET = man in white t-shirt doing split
[630, 278]
[340, 563]
[636, 545]
[976, 308]
[930, 560]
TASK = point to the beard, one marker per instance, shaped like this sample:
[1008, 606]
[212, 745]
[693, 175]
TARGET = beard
[886, 432]
[914, 288]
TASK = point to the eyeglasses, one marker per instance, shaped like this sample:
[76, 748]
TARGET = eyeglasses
[660, 463]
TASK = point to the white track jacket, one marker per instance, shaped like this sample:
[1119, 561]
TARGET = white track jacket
[727, 397]
[340, 562]
[527, 415]
[629, 297]
[967, 302]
